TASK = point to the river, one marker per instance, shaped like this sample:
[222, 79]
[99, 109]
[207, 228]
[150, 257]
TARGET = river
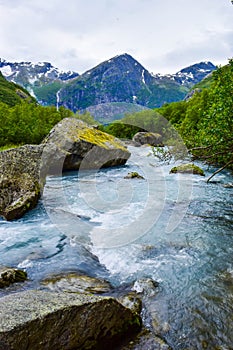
[175, 229]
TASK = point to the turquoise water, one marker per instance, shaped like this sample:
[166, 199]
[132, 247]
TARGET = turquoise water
[176, 229]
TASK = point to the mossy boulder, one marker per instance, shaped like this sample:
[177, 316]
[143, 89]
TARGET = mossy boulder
[133, 175]
[187, 169]
[76, 283]
[9, 275]
[150, 138]
[48, 320]
[73, 144]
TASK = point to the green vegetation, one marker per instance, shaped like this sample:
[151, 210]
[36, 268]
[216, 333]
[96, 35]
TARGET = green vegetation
[30, 123]
[23, 120]
[27, 123]
[47, 93]
[86, 117]
[13, 94]
[205, 122]
[147, 120]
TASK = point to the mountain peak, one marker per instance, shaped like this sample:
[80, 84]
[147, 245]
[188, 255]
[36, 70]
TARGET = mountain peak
[195, 73]
[118, 79]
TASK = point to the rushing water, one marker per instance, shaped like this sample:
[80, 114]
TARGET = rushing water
[175, 229]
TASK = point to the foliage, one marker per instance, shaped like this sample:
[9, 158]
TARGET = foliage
[164, 155]
[205, 121]
[46, 94]
[147, 120]
[23, 122]
[28, 123]
[11, 93]
[86, 117]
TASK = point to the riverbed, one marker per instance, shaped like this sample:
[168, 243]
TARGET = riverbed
[173, 228]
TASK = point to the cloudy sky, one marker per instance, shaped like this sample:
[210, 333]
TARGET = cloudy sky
[163, 35]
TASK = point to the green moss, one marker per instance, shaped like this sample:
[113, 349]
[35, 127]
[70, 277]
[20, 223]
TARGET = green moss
[3, 148]
[99, 138]
[187, 169]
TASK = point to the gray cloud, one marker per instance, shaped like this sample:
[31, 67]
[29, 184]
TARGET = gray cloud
[76, 34]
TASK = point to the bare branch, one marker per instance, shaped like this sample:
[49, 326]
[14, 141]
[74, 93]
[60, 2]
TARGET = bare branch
[219, 170]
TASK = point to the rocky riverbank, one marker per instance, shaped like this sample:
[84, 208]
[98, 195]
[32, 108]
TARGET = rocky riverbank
[73, 310]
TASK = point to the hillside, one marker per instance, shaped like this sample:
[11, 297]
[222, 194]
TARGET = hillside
[11, 93]
[41, 79]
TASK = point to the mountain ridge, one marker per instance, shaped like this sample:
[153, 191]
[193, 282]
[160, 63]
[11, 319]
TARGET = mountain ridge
[120, 79]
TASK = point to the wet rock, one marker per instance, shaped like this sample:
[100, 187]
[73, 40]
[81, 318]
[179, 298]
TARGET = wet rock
[187, 169]
[18, 195]
[133, 175]
[131, 143]
[228, 185]
[146, 340]
[72, 144]
[76, 283]
[145, 286]
[21, 182]
[132, 302]
[148, 138]
[48, 320]
[9, 275]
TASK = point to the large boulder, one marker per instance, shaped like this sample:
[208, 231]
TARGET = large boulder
[48, 320]
[150, 138]
[21, 182]
[73, 144]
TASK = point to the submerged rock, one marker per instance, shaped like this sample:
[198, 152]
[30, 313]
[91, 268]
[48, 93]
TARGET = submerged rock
[21, 182]
[73, 282]
[147, 340]
[145, 286]
[48, 320]
[133, 175]
[148, 138]
[187, 169]
[228, 185]
[73, 144]
[9, 275]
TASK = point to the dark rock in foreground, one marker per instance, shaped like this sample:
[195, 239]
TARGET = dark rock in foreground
[73, 145]
[148, 138]
[9, 276]
[187, 169]
[46, 320]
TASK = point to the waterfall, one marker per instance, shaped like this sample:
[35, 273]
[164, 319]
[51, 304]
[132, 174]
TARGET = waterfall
[58, 99]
